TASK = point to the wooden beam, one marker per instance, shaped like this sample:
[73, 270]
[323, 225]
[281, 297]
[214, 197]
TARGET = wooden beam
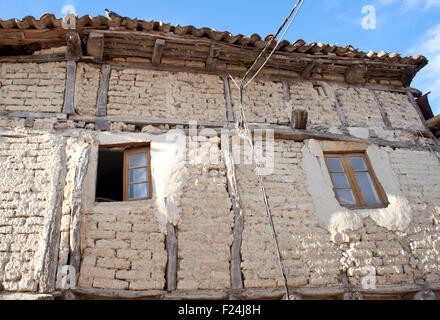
[234, 195]
[52, 57]
[306, 73]
[171, 276]
[286, 90]
[104, 79]
[75, 224]
[229, 112]
[157, 52]
[340, 112]
[211, 61]
[11, 35]
[355, 74]
[74, 45]
[52, 227]
[95, 46]
[416, 107]
[408, 75]
[299, 119]
[70, 88]
[384, 115]
[434, 123]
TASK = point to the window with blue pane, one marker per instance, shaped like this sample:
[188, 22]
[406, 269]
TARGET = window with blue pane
[354, 182]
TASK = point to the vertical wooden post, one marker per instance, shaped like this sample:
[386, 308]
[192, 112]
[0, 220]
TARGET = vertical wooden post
[229, 113]
[104, 78]
[385, 118]
[52, 233]
[235, 267]
[416, 107]
[340, 113]
[286, 91]
[171, 276]
[75, 225]
[70, 88]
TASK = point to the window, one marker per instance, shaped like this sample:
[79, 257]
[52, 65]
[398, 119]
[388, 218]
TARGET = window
[124, 173]
[354, 182]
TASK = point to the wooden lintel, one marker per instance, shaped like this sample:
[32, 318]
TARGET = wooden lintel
[212, 59]
[157, 52]
[355, 74]
[95, 45]
[308, 70]
[74, 45]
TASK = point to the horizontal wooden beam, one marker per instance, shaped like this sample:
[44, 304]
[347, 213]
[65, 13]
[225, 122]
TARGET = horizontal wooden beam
[280, 132]
[257, 293]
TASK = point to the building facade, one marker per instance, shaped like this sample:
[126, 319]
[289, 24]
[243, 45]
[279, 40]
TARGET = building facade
[124, 174]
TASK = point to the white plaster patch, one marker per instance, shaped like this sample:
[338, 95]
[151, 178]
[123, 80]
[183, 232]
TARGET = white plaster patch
[337, 219]
[167, 168]
[362, 133]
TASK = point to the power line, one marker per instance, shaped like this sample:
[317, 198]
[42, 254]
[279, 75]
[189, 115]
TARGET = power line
[246, 135]
[242, 85]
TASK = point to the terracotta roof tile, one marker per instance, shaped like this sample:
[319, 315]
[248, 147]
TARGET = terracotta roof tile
[48, 21]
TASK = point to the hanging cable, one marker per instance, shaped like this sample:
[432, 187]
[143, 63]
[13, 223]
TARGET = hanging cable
[275, 48]
[242, 85]
[245, 133]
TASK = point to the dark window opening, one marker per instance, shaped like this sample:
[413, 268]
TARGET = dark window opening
[109, 184]
[124, 172]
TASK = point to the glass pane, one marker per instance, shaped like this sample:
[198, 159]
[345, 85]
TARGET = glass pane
[345, 196]
[340, 180]
[137, 191]
[137, 175]
[358, 164]
[367, 188]
[335, 164]
[138, 160]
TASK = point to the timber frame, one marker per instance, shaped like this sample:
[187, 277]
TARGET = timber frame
[155, 45]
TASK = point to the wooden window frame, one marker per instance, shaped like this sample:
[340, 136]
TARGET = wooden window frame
[357, 193]
[136, 149]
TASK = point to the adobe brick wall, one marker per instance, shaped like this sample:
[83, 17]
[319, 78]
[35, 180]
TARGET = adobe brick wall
[161, 94]
[86, 89]
[204, 233]
[32, 87]
[399, 110]
[310, 258]
[30, 167]
[263, 102]
[320, 104]
[359, 107]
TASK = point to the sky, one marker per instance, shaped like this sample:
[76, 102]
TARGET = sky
[407, 27]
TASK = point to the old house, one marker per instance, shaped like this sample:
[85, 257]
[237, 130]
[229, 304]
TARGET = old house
[120, 175]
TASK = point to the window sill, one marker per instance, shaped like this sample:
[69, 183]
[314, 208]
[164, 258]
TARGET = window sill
[366, 208]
